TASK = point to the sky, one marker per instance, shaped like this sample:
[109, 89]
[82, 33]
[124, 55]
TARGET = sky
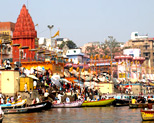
[84, 21]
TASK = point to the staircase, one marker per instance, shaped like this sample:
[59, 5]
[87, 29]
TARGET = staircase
[26, 95]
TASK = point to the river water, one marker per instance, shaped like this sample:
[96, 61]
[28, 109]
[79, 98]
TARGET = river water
[79, 115]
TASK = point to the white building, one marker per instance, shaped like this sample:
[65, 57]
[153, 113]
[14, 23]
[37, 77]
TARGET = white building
[132, 52]
[59, 41]
[47, 43]
[136, 36]
[76, 55]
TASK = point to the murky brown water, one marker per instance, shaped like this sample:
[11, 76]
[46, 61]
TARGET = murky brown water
[79, 115]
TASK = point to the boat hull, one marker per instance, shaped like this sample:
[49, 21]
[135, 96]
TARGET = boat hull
[46, 103]
[120, 102]
[19, 104]
[97, 103]
[138, 105]
[147, 115]
[29, 109]
[74, 104]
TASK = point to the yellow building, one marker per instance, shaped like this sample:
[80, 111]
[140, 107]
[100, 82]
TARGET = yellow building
[23, 81]
[52, 65]
[106, 87]
[9, 82]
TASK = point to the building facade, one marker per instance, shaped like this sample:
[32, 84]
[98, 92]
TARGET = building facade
[6, 33]
[76, 56]
[146, 45]
[24, 36]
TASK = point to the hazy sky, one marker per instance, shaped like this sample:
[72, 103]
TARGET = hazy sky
[84, 21]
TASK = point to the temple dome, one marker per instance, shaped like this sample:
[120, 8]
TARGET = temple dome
[24, 27]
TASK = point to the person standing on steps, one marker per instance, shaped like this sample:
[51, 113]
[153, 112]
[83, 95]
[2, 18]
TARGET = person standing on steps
[25, 87]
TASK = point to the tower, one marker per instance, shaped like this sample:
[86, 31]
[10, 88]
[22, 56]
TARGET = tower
[25, 35]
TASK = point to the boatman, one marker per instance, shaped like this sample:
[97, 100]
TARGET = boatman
[134, 100]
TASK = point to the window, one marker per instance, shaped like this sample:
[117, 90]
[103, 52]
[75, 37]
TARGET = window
[136, 34]
[131, 55]
[74, 51]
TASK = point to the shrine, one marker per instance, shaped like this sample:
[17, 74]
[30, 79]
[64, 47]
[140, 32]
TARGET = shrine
[24, 37]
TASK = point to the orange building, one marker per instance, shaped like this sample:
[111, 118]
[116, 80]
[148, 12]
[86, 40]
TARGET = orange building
[24, 35]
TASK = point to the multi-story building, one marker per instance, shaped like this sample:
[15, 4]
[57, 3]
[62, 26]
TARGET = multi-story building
[76, 56]
[83, 48]
[6, 33]
[59, 41]
[146, 45]
[46, 43]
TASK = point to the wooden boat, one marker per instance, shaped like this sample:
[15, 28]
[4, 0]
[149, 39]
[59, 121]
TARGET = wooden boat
[1, 118]
[138, 105]
[104, 102]
[147, 114]
[1, 115]
[120, 102]
[73, 104]
[28, 109]
[46, 103]
[18, 104]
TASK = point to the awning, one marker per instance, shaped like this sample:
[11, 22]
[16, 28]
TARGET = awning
[128, 86]
[86, 66]
[33, 77]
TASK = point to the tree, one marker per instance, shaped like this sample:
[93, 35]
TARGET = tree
[105, 48]
[111, 46]
[70, 44]
[91, 50]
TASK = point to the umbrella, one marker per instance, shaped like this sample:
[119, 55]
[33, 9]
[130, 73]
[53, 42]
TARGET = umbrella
[33, 77]
[128, 86]
[55, 79]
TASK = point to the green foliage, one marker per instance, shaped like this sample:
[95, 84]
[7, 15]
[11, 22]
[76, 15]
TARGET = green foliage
[70, 44]
[62, 45]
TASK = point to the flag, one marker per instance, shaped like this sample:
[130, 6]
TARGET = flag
[116, 63]
[91, 57]
[57, 33]
[70, 60]
[110, 62]
[11, 43]
[77, 69]
[19, 46]
[71, 69]
[84, 62]
[83, 70]
[98, 56]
